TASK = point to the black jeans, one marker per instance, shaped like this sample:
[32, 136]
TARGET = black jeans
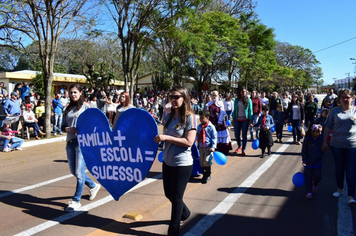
[175, 179]
[279, 130]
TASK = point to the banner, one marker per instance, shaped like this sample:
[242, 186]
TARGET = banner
[119, 158]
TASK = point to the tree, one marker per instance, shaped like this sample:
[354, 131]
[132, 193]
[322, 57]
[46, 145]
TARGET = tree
[302, 64]
[9, 58]
[260, 63]
[96, 57]
[137, 24]
[232, 7]
[215, 41]
[43, 21]
[161, 81]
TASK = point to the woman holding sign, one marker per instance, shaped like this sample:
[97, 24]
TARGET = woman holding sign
[74, 155]
[178, 137]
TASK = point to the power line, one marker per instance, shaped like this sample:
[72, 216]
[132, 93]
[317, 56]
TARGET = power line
[335, 45]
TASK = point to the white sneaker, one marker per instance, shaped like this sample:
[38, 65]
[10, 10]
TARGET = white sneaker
[7, 150]
[73, 206]
[94, 191]
[18, 148]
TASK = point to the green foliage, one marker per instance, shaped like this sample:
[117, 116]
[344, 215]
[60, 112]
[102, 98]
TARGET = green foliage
[39, 85]
[300, 63]
[161, 81]
[261, 62]
[216, 45]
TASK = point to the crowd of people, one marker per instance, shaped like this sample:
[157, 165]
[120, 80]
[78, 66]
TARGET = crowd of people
[258, 112]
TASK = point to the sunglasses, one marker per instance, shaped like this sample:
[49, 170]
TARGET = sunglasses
[175, 97]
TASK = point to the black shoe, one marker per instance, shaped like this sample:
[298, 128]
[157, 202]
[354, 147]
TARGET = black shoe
[269, 151]
[204, 180]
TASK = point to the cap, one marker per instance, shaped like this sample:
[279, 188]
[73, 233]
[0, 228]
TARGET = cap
[28, 105]
[14, 93]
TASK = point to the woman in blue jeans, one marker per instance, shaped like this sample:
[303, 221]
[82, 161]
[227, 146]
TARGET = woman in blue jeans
[242, 116]
[342, 122]
[74, 154]
[295, 115]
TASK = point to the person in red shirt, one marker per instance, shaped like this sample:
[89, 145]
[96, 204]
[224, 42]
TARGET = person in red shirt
[256, 109]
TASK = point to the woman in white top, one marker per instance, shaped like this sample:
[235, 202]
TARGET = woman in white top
[123, 106]
[31, 121]
[228, 105]
[109, 109]
[295, 115]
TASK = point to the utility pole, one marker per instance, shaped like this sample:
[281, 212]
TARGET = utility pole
[354, 85]
[353, 59]
[348, 80]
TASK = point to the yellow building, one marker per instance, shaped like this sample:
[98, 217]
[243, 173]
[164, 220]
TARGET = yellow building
[12, 78]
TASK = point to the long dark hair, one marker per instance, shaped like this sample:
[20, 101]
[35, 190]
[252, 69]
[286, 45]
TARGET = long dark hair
[78, 104]
[295, 95]
[242, 99]
[184, 110]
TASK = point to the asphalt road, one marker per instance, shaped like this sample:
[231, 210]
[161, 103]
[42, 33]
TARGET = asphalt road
[246, 196]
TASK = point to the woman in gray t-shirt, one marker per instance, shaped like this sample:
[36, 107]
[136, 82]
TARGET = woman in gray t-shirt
[74, 154]
[342, 122]
[179, 135]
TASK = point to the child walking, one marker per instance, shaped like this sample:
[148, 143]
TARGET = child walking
[207, 143]
[312, 157]
[279, 121]
[265, 122]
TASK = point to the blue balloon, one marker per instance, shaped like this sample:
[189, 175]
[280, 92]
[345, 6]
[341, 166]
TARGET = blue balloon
[273, 128]
[160, 157]
[298, 179]
[256, 144]
[220, 158]
[290, 128]
[228, 122]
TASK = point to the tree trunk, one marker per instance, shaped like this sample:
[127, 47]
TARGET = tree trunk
[48, 79]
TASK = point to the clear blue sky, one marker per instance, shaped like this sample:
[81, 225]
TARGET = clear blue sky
[316, 24]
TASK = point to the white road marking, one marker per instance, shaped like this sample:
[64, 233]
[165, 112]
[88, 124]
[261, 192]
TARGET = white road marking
[67, 216]
[344, 212]
[224, 206]
[35, 186]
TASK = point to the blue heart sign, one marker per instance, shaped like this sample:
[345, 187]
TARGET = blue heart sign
[119, 158]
